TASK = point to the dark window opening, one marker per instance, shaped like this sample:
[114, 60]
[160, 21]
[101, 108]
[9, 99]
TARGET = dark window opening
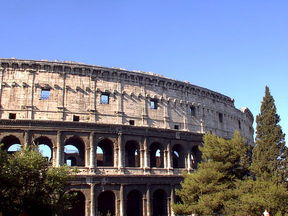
[11, 144]
[106, 203]
[104, 99]
[76, 118]
[131, 122]
[192, 110]
[104, 153]
[156, 155]
[153, 104]
[78, 206]
[45, 94]
[239, 124]
[71, 161]
[159, 203]
[45, 147]
[132, 156]
[178, 156]
[220, 117]
[176, 127]
[74, 152]
[134, 204]
[195, 157]
[12, 115]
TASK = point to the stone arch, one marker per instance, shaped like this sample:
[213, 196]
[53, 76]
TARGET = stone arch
[105, 152]
[178, 156]
[45, 146]
[159, 203]
[195, 156]
[134, 202]
[132, 154]
[74, 151]
[78, 207]
[156, 155]
[11, 144]
[106, 203]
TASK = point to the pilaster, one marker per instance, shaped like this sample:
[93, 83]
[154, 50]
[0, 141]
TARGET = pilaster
[58, 150]
[92, 199]
[92, 152]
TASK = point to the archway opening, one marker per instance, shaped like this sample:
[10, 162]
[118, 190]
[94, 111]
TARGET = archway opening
[78, 206]
[195, 156]
[156, 155]
[134, 203]
[106, 203]
[132, 155]
[11, 144]
[44, 146]
[45, 151]
[178, 156]
[14, 148]
[160, 203]
[104, 153]
[74, 152]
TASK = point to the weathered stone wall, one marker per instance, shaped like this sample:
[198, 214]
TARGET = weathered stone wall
[76, 89]
[126, 128]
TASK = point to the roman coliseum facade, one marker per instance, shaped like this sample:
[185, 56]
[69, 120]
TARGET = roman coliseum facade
[132, 133]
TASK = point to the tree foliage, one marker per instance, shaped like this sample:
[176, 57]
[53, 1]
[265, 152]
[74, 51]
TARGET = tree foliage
[252, 197]
[225, 183]
[206, 191]
[269, 154]
[29, 184]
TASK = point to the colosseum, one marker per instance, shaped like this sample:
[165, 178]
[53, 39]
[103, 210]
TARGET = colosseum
[131, 134]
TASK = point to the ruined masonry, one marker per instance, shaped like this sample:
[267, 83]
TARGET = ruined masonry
[131, 134]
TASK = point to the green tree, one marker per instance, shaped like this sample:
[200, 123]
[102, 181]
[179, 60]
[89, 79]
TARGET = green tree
[29, 184]
[207, 190]
[252, 197]
[269, 153]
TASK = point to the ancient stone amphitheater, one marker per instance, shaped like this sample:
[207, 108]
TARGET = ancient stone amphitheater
[131, 134]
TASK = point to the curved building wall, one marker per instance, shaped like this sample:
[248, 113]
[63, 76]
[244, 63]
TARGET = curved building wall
[76, 90]
[148, 128]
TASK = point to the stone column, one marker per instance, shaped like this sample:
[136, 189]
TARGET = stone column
[121, 162]
[188, 161]
[120, 102]
[92, 199]
[202, 119]
[63, 96]
[172, 200]
[58, 150]
[31, 105]
[93, 100]
[27, 140]
[166, 115]
[122, 201]
[142, 157]
[54, 155]
[185, 118]
[148, 198]
[145, 108]
[165, 158]
[146, 154]
[169, 156]
[1, 81]
[92, 151]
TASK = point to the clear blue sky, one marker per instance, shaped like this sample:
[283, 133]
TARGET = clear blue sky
[235, 47]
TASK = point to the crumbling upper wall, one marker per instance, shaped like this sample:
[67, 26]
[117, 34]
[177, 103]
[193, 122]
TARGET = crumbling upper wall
[75, 92]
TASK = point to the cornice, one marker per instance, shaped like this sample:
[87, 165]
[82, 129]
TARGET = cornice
[116, 74]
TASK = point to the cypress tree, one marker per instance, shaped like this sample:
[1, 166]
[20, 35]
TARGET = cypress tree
[269, 153]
